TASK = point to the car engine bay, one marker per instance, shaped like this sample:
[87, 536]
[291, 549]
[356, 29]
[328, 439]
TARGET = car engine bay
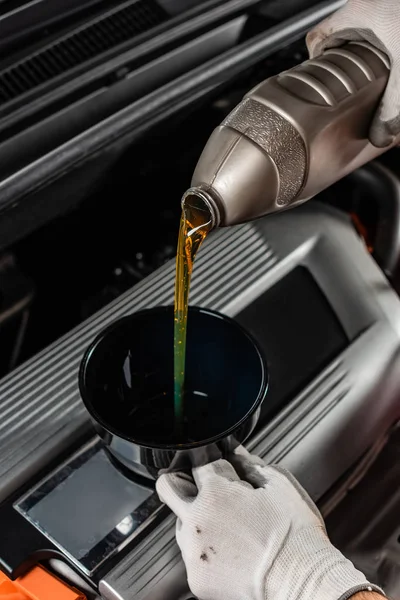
[91, 236]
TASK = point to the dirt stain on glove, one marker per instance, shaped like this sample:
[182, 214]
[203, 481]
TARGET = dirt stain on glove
[198, 530]
[203, 557]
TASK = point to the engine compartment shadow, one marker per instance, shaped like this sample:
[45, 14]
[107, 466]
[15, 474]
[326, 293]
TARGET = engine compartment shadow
[365, 525]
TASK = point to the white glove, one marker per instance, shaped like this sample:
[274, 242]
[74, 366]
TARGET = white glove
[256, 538]
[376, 22]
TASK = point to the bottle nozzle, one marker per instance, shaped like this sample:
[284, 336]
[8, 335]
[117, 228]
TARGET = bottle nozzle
[198, 194]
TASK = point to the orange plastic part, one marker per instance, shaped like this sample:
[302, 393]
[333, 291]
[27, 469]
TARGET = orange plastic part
[37, 584]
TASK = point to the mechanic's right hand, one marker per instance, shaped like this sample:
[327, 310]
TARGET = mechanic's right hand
[378, 23]
[248, 531]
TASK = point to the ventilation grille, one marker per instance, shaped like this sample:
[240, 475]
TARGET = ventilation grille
[109, 31]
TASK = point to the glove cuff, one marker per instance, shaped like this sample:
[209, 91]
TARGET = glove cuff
[311, 567]
[343, 580]
[367, 587]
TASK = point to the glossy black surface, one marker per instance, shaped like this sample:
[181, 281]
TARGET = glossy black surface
[64, 507]
[126, 382]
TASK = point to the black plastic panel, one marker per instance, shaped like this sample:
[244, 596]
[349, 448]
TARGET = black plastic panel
[299, 333]
[99, 36]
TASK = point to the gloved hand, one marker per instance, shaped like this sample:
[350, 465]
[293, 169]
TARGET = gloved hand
[376, 22]
[250, 532]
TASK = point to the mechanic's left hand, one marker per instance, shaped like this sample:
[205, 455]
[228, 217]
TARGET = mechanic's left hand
[250, 532]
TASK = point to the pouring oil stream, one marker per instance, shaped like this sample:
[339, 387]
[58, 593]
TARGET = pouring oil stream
[195, 224]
